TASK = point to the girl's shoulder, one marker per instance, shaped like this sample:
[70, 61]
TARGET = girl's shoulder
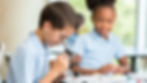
[85, 36]
[115, 39]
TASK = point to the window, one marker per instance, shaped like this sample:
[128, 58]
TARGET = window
[125, 24]
[142, 27]
[130, 27]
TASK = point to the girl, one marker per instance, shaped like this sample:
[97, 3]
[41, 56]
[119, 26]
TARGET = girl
[96, 50]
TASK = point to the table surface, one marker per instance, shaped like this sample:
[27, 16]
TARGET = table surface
[131, 78]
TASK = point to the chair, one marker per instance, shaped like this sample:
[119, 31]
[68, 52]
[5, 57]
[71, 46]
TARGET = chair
[2, 61]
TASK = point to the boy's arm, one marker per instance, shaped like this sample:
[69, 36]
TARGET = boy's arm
[50, 77]
[60, 65]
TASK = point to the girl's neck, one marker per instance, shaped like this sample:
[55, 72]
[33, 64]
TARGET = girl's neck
[105, 36]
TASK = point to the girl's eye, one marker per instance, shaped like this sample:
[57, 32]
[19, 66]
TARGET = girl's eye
[110, 21]
[99, 20]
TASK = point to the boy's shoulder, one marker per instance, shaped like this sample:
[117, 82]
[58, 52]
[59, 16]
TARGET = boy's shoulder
[29, 45]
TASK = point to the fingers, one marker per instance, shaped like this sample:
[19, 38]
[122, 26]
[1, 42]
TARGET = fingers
[76, 59]
[66, 60]
[63, 60]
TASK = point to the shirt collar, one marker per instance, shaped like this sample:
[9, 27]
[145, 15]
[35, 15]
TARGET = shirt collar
[38, 41]
[98, 36]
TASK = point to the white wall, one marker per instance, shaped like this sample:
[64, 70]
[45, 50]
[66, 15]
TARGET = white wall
[17, 19]
[0, 13]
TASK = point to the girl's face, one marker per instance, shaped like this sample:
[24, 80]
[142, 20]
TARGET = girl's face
[103, 19]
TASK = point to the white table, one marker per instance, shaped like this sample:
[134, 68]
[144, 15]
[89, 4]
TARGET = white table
[131, 78]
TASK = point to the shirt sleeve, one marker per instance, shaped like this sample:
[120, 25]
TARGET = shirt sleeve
[119, 49]
[79, 46]
[22, 67]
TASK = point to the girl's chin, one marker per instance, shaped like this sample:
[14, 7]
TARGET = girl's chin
[105, 33]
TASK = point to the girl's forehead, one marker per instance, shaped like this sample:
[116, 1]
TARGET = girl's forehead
[104, 12]
[104, 9]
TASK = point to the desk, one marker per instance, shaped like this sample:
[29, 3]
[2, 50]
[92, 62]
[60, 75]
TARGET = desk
[131, 78]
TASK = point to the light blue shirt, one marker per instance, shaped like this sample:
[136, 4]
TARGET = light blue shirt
[97, 51]
[71, 41]
[29, 63]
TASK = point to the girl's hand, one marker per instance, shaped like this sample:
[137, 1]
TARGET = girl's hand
[121, 70]
[118, 70]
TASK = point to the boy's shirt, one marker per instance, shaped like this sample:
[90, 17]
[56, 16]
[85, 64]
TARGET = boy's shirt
[71, 41]
[29, 63]
[96, 51]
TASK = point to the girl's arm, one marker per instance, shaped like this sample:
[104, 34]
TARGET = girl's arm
[75, 66]
[124, 64]
[76, 69]
[105, 69]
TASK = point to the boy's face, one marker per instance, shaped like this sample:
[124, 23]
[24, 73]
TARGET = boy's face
[67, 31]
[54, 36]
[103, 19]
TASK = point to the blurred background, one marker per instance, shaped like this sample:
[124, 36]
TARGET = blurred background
[20, 17]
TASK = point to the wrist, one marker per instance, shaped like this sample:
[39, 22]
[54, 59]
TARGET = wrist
[52, 75]
[126, 69]
[55, 71]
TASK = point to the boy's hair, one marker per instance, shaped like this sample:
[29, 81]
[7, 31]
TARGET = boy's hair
[59, 14]
[94, 4]
[79, 22]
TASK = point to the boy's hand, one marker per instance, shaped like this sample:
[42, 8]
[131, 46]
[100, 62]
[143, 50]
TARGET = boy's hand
[61, 64]
[58, 67]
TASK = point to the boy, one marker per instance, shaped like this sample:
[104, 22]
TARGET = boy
[30, 61]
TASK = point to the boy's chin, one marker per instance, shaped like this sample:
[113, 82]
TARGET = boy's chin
[51, 44]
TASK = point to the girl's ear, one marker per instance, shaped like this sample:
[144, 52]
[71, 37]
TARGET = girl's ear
[92, 18]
